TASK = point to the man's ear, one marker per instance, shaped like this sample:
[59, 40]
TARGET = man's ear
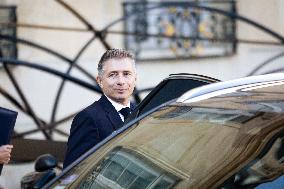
[99, 81]
[135, 79]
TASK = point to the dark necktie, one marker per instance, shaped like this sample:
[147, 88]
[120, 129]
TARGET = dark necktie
[125, 112]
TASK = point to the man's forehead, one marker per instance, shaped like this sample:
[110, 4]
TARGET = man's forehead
[119, 64]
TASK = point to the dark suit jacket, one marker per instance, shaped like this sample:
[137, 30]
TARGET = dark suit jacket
[90, 126]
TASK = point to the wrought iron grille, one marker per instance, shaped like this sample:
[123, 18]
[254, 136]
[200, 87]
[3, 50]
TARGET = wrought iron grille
[171, 30]
[8, 49]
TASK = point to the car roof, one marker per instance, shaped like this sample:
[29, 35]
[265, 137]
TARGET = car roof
[219, 88]
[191, 76]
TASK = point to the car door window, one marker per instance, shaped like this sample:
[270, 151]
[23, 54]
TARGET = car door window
[171, 89]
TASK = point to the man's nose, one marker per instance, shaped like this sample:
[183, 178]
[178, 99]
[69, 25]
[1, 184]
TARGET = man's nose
[120, 79]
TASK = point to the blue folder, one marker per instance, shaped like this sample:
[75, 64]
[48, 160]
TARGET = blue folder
[7, 123]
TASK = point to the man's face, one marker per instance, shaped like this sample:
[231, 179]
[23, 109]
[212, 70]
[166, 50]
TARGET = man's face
[118, 79]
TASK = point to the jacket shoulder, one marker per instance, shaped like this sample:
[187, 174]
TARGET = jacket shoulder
[89, 111]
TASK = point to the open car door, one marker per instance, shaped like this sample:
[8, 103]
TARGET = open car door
[170, 88]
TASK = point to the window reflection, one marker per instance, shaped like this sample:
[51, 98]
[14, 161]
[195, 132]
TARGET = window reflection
[212, 115]
[261, 172]
[124, 169]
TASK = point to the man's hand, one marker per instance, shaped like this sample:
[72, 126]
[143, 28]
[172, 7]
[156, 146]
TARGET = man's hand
[5, 153]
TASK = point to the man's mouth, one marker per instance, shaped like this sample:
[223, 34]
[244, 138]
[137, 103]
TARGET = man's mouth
[120, 90]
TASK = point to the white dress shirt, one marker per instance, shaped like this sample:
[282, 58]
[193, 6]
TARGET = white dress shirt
[118, 107]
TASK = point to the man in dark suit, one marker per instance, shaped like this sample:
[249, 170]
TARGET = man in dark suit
[117, 79]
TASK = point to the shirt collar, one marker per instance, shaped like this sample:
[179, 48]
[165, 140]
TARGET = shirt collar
[116, 105]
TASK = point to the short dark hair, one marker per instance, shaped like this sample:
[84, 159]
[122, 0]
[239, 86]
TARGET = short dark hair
[113, 54]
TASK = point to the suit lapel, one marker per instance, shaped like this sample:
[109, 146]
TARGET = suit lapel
[111, 113]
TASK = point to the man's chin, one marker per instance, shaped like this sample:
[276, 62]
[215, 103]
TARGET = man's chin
[121, 98]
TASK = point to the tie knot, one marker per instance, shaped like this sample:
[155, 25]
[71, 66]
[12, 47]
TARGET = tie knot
[125, 112]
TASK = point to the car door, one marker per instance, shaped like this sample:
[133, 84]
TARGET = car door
[170, 88]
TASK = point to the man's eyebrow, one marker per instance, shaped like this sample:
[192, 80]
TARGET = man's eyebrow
[112, 72]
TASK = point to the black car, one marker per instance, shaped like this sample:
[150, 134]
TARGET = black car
[225, 135]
